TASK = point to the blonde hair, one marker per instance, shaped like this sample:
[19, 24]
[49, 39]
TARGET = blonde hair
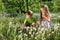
[46, 8]
[46, 11]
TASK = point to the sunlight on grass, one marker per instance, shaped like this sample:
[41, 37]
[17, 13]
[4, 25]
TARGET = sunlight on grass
[11, 29]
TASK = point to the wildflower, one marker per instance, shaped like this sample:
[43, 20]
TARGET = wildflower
[35, 37]
[56, 27]
[27, 28]
[52, 32]
[58, 24]
[34, 28]
[29, 32]
[42, 29]
[25, 34]
[10, 23]
[20, 31]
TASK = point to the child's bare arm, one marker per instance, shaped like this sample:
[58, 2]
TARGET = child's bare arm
[47, 18]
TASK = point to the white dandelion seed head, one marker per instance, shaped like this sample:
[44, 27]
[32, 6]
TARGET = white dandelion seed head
[52, 32]
[25, 34]
[42, 29]
[34, 28]
[10, 23]
[27, 27]
[29, 32]
[35, 37]
[58, 24]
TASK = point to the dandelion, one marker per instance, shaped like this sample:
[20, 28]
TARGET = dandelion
[49, 34]
[27, 27]
[29, 32]
[20, 31]
[25, 34]
[58, 24]
[56, 27]
[34, 28]
[35, 37]
[52, 32]
[10, 23]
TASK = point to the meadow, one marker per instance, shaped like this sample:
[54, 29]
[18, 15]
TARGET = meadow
[11, 29]
[11, 23]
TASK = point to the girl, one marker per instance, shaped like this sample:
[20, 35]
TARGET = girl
[45, 18]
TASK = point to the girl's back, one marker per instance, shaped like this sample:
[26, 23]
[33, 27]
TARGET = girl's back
[45, 16]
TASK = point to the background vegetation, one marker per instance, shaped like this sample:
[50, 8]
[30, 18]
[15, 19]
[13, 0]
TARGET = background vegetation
[22, 5]
[12, 17]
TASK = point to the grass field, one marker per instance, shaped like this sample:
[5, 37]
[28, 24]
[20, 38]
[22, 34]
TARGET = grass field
[11, 29]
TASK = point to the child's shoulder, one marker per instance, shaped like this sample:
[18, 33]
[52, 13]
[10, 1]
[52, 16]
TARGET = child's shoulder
[34, 18]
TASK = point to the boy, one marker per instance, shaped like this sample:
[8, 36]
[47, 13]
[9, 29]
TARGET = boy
[29, 20]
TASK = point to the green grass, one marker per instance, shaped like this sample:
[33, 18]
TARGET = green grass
[11, 29]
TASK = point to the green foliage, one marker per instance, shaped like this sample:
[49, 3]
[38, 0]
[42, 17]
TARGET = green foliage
[34, 5]
[2, 7]
[11, 29]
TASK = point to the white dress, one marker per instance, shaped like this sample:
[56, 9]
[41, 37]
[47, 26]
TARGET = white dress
[46, 23]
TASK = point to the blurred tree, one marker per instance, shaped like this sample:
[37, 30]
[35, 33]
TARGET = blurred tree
[2, 8]
[20, 6]
[46, 0]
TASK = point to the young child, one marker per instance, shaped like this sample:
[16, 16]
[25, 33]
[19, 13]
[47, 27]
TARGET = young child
[45, 18]
[29, 20]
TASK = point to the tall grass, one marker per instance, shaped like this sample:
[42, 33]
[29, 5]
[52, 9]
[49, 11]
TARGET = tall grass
[11, 29]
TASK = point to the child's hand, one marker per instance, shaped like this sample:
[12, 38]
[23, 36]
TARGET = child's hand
[38, 22]
[33, 24]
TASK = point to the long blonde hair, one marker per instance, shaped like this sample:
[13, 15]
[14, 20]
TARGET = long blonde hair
[46, 11]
